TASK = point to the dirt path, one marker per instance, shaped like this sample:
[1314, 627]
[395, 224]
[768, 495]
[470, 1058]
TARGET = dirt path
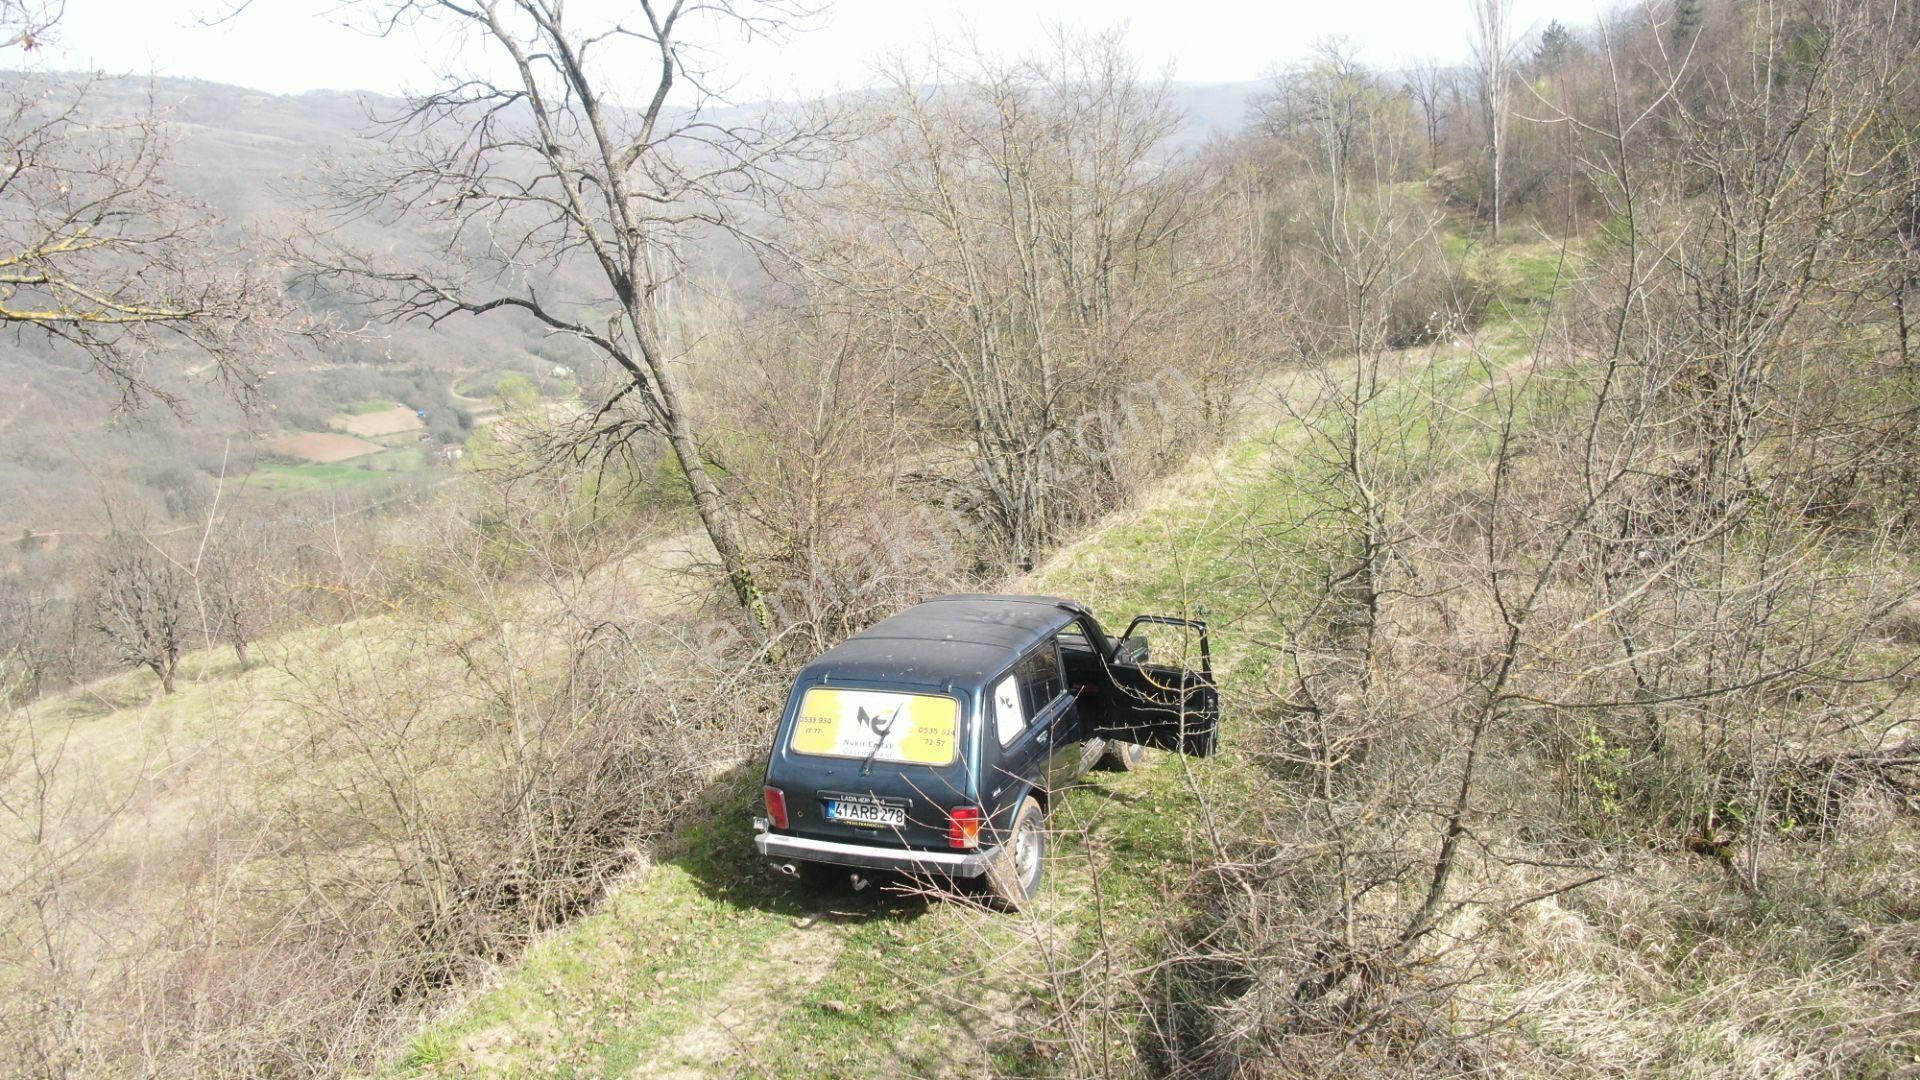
[710, 965]
[726, 1040]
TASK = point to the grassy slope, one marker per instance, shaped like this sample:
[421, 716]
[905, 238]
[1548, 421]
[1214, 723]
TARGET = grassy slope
[372, 469]
[155, 773]
[704, 961]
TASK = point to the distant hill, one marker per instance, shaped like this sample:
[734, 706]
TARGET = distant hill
[247, 155]
[1212, 109]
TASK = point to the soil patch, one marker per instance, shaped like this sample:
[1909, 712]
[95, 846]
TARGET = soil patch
[392, 421]
[322, 448]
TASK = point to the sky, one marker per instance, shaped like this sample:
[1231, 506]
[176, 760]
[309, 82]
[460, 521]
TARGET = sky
[289, 46]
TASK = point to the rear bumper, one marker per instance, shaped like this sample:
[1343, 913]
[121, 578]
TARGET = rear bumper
[956, 864]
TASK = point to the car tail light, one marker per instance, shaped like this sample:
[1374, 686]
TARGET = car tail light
[963, 827]
[776, 806]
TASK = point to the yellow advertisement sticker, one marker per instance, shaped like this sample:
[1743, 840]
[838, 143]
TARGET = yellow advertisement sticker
[910, 729]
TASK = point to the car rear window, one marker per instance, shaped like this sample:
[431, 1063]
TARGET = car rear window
[905, 729]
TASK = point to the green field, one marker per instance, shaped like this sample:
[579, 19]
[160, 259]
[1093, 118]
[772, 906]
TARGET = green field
[374, 469]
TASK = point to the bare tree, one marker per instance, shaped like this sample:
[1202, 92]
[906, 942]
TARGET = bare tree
[1336, 98]
[143, 604]
[1017, 237]
[99, 253]
[30, 628]
[231, 586]
[555, 203]
[1493, 69]
[1431, 86]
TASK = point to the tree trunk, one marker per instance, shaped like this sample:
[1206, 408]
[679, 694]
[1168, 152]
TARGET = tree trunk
[1900, 309]
[722, 526]
[165, 671]
[1496, 190]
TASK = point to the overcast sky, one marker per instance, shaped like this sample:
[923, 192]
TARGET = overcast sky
[294, 45]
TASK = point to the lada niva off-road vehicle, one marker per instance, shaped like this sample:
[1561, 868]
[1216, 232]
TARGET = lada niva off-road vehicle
[932, 742]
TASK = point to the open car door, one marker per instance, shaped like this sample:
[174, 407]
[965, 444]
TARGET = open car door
[1162, 705]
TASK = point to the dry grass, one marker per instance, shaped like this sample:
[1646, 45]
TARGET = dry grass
[266, 869]
[321, 448]
[394, 421]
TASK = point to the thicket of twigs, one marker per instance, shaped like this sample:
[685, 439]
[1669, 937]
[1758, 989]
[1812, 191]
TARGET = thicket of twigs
[1589, 743]
[1591, 626]
[1000, 311]
[496, 731]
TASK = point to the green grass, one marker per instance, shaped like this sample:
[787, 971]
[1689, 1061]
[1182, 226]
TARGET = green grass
[482, 385]
[404, 458]
[604, 994]
[1532, 274]
[942, 987]
[286, 476]
[371, 405]
[1526, 277]
[916, 987]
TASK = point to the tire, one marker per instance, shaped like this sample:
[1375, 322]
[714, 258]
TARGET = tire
[1016, 873]
[1124, 756]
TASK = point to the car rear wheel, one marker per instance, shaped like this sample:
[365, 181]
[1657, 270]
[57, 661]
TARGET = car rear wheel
[1014, 876]
[1125, 756]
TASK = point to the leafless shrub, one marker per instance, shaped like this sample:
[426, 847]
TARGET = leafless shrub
[1024, 253]
[143, 604]
[444, 782]
[827, 446]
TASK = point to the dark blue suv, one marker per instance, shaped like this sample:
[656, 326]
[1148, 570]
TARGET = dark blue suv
[931, 742]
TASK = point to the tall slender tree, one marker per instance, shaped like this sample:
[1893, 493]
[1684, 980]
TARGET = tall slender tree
[1493, 67]
[559, 201]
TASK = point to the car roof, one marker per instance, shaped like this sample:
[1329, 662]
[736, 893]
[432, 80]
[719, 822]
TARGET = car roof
[952, 641]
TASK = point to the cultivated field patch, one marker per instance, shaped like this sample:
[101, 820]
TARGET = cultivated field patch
[394, 421]
[322, 448]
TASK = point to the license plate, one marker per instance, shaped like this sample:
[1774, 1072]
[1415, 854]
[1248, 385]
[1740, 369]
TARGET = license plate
[862, 812]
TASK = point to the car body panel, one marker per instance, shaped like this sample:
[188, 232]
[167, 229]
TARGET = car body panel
[1049, 654]
[927, 791]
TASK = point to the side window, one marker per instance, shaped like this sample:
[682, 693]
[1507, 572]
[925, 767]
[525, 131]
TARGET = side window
[1040, 679]
[1009, 717]
[1074, 639]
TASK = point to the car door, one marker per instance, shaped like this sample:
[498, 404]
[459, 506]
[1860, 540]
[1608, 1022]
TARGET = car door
[1021, 750]
[1043, 692]
[1166, 706]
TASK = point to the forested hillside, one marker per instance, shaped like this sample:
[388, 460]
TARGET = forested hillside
[82, 461]
[255, 163]
[1537, 433]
